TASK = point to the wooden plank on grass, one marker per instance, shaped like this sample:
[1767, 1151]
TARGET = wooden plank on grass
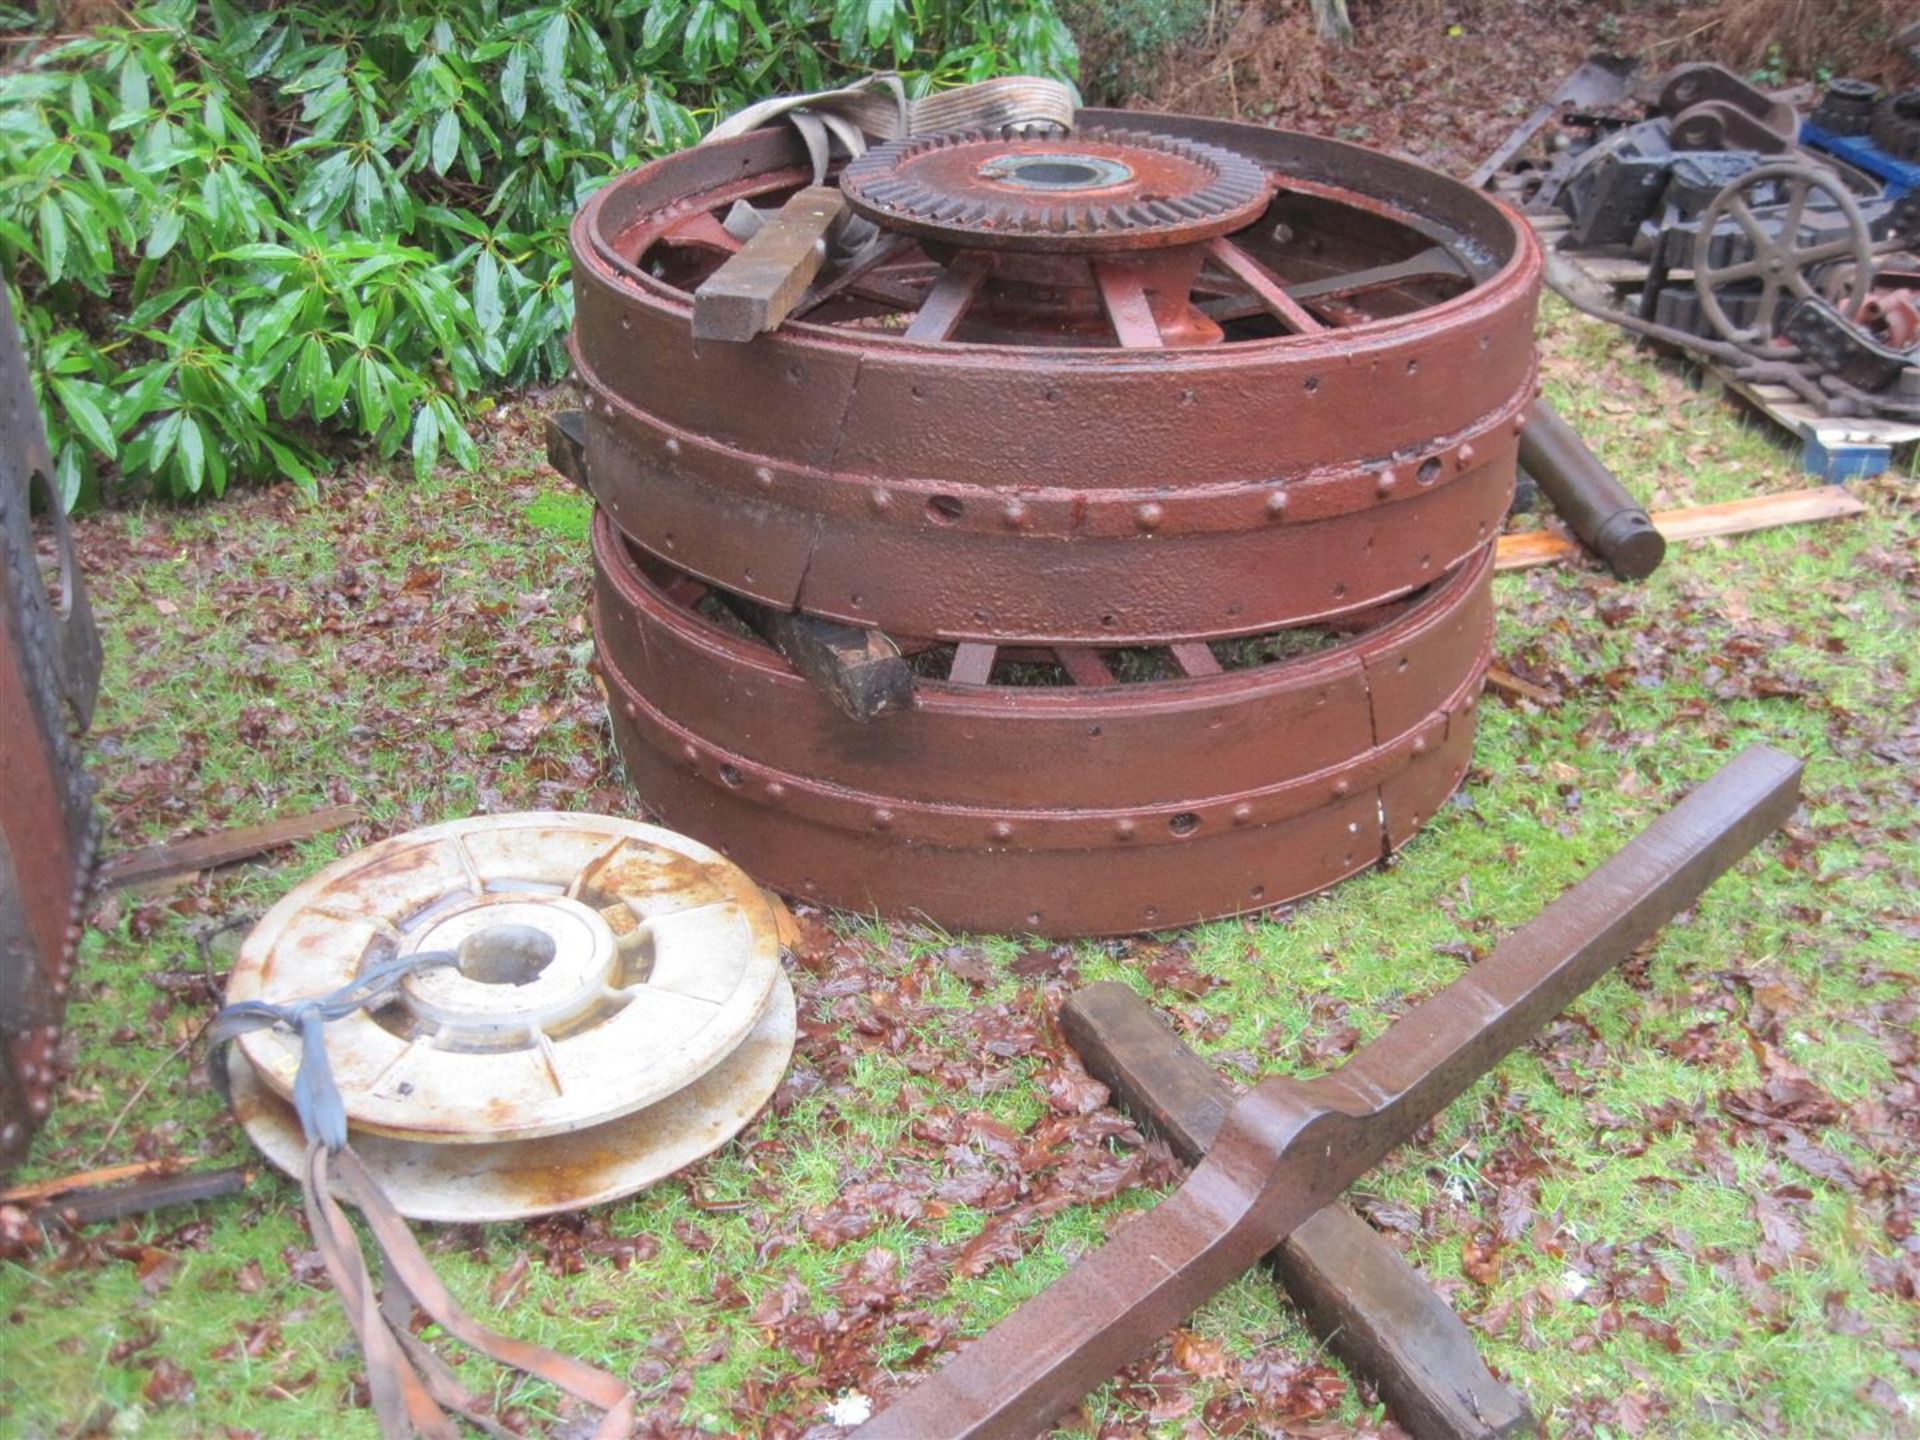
[222, 847]
[1734, 517]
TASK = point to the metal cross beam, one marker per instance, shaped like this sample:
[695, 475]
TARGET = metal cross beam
[1365, 1302]
[1288, 1148]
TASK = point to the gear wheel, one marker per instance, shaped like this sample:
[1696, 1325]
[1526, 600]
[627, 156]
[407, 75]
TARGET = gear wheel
[1847, 107]
[1896, 125]
[1094, 191]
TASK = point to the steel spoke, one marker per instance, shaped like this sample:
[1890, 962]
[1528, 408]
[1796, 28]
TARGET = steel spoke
[947, 301]
[838, 278]
[1125, 298]
[1268, 290]
[701, 231]
[972, 663]
[1084, 666]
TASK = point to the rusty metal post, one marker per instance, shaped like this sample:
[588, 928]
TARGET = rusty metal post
[1288, 1147]
[1589, 497]
[1364, 1302]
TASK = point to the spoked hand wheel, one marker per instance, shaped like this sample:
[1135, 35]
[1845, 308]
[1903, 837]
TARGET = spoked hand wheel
[1780, 262]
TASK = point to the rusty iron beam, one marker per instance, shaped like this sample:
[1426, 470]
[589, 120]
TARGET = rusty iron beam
[1355, 1291]
[1288, 1148]
[861, 671]
[567, 446]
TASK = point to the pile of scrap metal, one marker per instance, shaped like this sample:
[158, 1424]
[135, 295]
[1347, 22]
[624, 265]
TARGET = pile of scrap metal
[1074, 531]
[1782, 248]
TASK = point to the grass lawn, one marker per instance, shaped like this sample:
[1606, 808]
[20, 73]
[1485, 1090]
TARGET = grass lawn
[1689, 1210]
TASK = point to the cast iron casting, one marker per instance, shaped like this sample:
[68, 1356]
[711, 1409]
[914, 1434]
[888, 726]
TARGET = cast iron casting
[1288, 1148]
[1353, 1289]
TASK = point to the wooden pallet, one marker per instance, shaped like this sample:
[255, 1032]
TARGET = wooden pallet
[1833, 448]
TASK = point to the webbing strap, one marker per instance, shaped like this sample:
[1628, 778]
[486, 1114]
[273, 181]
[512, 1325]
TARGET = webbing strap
[413, 1390]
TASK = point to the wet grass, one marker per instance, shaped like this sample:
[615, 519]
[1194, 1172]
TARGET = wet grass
[417, 649]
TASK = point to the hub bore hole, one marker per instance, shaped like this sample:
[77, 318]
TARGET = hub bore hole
[505, 954]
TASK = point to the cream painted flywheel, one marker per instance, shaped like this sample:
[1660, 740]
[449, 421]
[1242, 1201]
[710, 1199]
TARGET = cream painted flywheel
[616, 1009]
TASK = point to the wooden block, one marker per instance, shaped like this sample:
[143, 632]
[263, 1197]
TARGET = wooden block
[756, 287]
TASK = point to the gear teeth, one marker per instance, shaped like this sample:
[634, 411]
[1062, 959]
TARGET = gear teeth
[886, 182]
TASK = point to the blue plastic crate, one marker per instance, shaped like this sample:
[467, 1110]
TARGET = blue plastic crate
[1900, 175]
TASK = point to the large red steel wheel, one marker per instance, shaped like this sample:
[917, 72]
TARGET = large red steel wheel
[1266, 379]
[1082, 804]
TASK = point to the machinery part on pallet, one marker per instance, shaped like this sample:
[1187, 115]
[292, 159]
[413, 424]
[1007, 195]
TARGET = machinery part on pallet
[972, 444]
[1841, 348]
[1356, 1293]
[1721, 125]
[1589, 496]
[1086, 803]
[1781, 264]
[1288, 1148]
[1097, 191]
[618, 1011]
[1601, 80]
[1895, 127]
[1847, 107]
[49, 678]
[1686, 86]
[1892, 315]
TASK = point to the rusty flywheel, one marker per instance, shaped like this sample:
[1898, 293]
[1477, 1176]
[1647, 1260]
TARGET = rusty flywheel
[1146, 443]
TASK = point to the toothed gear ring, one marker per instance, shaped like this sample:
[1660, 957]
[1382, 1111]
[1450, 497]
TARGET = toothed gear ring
[1094, 191]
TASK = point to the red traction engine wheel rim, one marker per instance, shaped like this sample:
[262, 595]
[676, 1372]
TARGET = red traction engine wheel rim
[1114, 820]
[1200, 411]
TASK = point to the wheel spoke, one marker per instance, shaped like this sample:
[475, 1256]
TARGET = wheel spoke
[701, 231]
[1125, 296]
[1195, 658]
[1268, 290]
[1745, 270]
[1796, 208]
[1084, 666]
[1749, 222]
[952, 293]
[836, 279]
[1826, 250]
[972, 663]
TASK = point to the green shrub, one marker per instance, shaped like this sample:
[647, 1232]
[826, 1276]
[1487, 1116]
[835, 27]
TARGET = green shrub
[239, 236]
